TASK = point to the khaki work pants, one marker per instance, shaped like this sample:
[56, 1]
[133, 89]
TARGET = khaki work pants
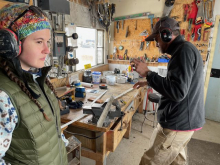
[167, 147]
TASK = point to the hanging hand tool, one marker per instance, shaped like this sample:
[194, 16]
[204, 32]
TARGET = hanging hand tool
[209, 27]
[127, 31]
[122, 24]
[199, 33]
[142, 42]
[147, 45]
[206, 33]
[208, 15]
[117, 26]
[186, 8]
[190, 24]
[196, 27]
[193, 34]
[145, 57]
[142, 45]
[126, 55]
[151, 16]
[192, 12]
[135, 24]
[200, 13]
[144, 35]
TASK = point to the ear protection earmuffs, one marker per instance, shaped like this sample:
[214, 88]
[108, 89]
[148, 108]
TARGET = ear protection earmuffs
[166, 33]
[10, 45]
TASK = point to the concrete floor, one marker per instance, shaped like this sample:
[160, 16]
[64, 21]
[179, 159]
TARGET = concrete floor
[130, 151]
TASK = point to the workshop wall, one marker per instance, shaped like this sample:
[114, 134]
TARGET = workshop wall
[133, 41]
[128, 7]
[80, 16]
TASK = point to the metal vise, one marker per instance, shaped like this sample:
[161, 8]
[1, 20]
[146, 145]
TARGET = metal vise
[97, 109]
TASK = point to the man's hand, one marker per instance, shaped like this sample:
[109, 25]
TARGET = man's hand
[140, 84]
[140, 67]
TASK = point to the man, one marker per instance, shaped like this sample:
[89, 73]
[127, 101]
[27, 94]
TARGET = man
[181, 110]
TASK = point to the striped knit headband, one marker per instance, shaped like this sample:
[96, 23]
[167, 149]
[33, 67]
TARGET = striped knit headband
[29, 23]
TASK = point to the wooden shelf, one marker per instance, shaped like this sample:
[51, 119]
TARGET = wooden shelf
[73, 151]
[127, 62]
[75, 161]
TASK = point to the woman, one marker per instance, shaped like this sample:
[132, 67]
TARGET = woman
[29, 111]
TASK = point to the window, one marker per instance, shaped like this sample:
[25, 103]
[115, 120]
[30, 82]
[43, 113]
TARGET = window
[90, 47]
[100, 47]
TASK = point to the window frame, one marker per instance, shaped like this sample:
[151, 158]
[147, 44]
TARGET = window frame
[96, 48]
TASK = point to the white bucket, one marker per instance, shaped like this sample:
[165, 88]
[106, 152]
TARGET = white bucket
[96, 77]
[110, 80]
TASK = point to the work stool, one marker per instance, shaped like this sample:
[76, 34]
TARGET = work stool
[154, 99]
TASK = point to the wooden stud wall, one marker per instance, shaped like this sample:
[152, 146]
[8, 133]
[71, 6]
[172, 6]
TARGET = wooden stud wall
[133, 41]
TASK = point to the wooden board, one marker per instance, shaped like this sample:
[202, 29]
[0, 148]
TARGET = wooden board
[213, 48]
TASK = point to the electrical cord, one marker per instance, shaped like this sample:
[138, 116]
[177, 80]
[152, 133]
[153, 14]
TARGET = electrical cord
[150, 90]
[85, 135]
[144, 121]
[143, 124]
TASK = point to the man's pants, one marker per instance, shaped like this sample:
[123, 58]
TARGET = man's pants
[167, 147]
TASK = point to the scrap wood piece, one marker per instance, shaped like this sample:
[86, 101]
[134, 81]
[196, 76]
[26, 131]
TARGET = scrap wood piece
[97, 101]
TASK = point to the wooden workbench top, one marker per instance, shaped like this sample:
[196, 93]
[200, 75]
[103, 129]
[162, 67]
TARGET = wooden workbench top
[112, 90]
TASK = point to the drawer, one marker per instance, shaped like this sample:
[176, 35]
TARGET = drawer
[114, 135]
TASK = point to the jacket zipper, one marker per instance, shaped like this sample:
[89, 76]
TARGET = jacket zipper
[54, 113]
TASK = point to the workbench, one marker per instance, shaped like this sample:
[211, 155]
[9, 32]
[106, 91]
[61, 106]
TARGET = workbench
[98, 149]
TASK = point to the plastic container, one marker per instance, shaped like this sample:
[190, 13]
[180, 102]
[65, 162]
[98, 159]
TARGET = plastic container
[96, 77]
[121, 79]
[110, 80]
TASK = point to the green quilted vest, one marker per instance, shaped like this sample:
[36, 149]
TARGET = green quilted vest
[35, 141]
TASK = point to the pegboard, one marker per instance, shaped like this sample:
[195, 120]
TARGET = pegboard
[178, 10]
[133, 41]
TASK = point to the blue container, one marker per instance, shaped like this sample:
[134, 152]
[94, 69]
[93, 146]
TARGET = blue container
[96, 77]
[80, 89]
[163, 60]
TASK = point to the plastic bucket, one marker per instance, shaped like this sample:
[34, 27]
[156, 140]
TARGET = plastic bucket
[110, 80]
[96, 77]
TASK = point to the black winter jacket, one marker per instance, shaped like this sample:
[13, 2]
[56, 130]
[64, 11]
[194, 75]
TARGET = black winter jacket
[182, 90]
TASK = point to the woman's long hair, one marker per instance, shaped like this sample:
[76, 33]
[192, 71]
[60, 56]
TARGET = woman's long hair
[21, 84]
